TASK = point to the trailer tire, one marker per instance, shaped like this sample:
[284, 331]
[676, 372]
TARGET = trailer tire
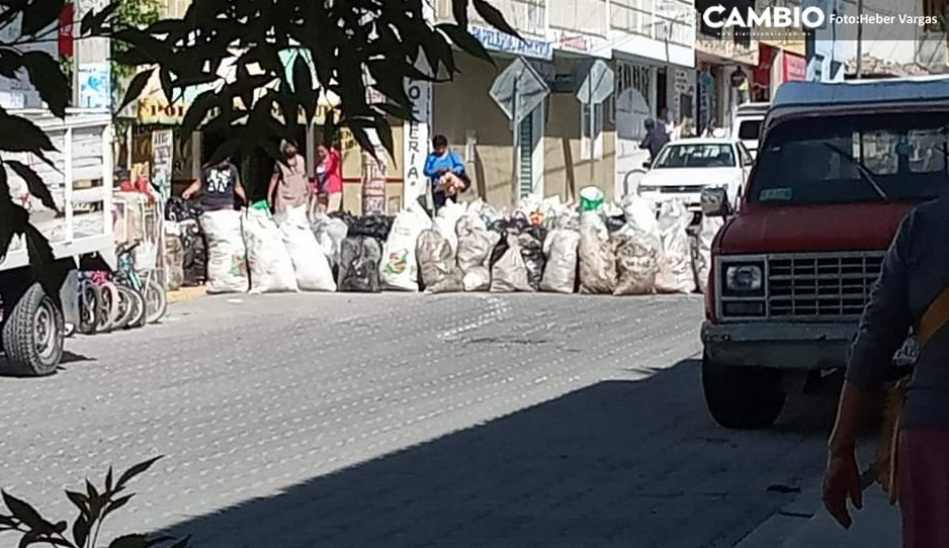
[742, 398]
[33, 335]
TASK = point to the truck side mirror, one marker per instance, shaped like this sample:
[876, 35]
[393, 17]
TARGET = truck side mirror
[647, 165]
[714, 202]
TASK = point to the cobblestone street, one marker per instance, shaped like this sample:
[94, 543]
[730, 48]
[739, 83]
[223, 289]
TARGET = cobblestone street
[408, 421]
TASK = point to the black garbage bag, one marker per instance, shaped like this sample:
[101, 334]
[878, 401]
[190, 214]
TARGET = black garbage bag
[178, 210]
[531, 240]
[359, 259]
[373, 226]
[614, 224]
[194, 256]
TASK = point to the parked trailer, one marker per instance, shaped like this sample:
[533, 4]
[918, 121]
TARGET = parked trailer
[34, 324]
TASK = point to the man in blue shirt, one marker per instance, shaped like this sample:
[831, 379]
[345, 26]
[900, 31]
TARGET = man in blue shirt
[446, 173]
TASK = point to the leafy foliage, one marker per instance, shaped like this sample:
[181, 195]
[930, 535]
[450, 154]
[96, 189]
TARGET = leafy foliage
[93, 506]
[343, 48]
[130, 13]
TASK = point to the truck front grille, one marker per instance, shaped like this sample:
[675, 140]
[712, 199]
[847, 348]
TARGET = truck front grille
[820, 285]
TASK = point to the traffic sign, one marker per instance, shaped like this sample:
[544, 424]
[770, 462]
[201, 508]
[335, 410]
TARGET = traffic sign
[598, 85]
[518, 90]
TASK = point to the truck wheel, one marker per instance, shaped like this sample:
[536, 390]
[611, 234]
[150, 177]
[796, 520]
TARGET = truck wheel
[33, 335]
[742, 397]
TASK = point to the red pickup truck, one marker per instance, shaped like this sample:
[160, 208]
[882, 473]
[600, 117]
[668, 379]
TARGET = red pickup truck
[840, 165]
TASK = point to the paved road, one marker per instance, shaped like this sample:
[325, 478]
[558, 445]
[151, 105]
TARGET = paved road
[407, 421]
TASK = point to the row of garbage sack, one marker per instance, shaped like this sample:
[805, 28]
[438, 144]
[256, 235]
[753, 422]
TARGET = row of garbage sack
[541, 246]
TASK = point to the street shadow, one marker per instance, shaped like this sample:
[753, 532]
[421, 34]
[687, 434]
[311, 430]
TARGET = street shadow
[67, 359]
[619, 463]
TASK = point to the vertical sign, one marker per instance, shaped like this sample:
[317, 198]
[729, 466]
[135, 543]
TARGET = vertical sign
[415, 139]
[162, 160]
[65, 34]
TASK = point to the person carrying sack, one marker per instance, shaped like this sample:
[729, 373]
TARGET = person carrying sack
[912, 293]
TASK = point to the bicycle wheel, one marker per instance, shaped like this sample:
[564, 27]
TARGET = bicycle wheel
[156, 302]
[127, 305]
[89, 297]
[140, 315]
[109, 307]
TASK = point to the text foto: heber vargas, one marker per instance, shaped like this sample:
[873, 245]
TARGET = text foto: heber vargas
[877, 19]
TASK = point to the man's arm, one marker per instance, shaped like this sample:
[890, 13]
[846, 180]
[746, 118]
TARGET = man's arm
[457, 166]
[239, 189]
[272, 188]
[429, 170]
[192, 189]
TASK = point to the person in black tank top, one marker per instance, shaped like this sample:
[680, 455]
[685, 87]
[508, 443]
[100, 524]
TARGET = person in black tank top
[219, 183]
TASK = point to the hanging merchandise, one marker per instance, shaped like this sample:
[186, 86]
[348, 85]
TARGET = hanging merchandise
[359, 259]
[399, 268]
[637, 265]
[446, 222]
[675, 268]
[174, 257]
[561, 248]
[703, 255]
[597, 259]
[271, 269]
[508, 271]
[312, 268]
[227, 255]
[475, 244]
[436, 262]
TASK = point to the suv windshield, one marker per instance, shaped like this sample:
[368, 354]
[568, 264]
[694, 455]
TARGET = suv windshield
[867, 157]
[696, 155]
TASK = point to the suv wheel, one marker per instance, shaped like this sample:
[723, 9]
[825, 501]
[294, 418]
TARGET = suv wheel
[742, 397]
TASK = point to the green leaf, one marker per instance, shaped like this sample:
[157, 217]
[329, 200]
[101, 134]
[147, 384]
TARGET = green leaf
[42, 266]
[130, 541]
[80, 501]
[61, 527]
[136, 87]
[7, 521]
[493, 17]
[48, 79]
[80, 531]
[11, 62]
[22, 135]
[34, 184]
[136, 470]
[459, 9]
[116, 504]
[93, 21]
[40, 14]
[15, 220]
[23, 511]
[108, 481]
[384, 131]
[303, 87]
[464, 40]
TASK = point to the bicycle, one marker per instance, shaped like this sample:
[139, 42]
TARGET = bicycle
[147, 296]
[99, 303]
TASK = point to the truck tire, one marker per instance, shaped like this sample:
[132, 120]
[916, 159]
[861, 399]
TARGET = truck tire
[742, 398]
[33, 335]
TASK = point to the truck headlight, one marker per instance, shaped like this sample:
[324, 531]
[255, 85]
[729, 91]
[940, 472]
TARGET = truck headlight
[744, 278]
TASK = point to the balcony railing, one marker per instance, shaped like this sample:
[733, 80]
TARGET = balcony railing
[527, 16]
[663, 20]
[580, 16]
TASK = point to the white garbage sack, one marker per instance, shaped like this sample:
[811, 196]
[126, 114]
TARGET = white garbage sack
[475, 245]
[641, 221]
[675, 266]
[227, 255]
[561, 247]
[703, 255]
[637, 265]
[509, 271]
[436, 262]
[446, 222]
[399, 268]
[597, 259]
[310, 263]
[271, 269]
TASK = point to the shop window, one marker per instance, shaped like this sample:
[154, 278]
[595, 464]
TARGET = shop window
[591, 131]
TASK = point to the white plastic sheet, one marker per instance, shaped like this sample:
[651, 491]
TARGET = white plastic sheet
[312, 268]
[675, 267]
[436, 262]
[227, 255]
[562, 248]
[597, 259]
[703, 257]
[475, 245]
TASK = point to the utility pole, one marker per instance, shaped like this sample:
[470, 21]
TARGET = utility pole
[859, 39]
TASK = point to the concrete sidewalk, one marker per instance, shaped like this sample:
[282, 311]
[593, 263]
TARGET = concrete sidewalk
[877, 525]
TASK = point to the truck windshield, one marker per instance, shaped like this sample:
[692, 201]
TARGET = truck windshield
[696, 155]
[867, 157]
